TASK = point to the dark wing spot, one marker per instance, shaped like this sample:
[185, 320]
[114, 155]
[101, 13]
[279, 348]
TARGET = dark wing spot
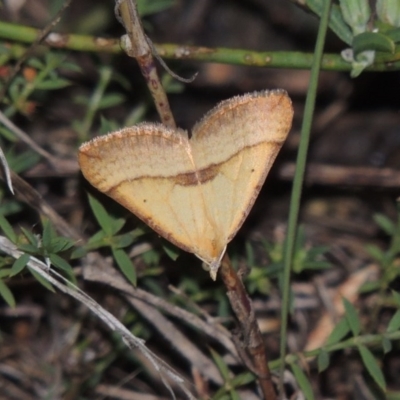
[199, 177]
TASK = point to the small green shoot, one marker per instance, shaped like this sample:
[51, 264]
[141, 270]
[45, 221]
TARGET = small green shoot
[231, 382]
[108, 237]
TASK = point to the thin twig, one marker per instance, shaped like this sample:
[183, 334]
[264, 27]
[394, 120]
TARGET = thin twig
[138, 46]
[6, 171]
[26, 139]
[252, 340]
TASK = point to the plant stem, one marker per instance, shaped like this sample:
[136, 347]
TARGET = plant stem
[297, 184]
[141, 49]
[252, 340]
[270, 59]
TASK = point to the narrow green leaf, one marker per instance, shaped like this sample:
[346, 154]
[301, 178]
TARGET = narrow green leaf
[6, 294]
[394, 35]
[28, 248]
[117, 224]
[389, 11]
[385, 223]
[372, 41]
[35, 63]
[352, 317]
[111, 100]
[396, 296]
[5, 272]
[7, 229]
[341, 329]
[171, 250]
[394, 323]
[316, 265]
[386, 345]
[63, 265]
[78, 253]
[47, 235]
[336, 21]
[59, 244]
[125, 264]
[19, 264]
[32, 239]
[146, 7]
[7, 134]
[53, 84]
[101, 215]
[372, 366]
[375, 252]
[303, 381]
[41, 280]
[356, 13]
[220, 363]
[121, 241]
[60, 263]
[369, 287]
[243, 379]
[323, 360]
[23, 161]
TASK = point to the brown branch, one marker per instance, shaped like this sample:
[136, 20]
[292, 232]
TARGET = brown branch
[252, 340]
[139, 46]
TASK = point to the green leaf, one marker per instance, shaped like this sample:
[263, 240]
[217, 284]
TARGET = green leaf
[117, 224]
[323, 360]
[394, 323]
[146, 7]
[356, 13]
[394, 34]
[47, 235]
[372, 41]
[60, 263]
[7, 229]
[8, 134]
[303, 381]
[59, 244]
[107, 125]
[6, 294]
[221, 365]
[101, 215]
[125, 240]
[32, 239]
[19, 264]
[172, 251]
[372, 366]
[78, 253]
[125, 264]
[341, 329]
[35, 63]
[369, 287]
[375, 252]
[22, 161]
[28, 248]
[53, 84]
[41, 279]
[352, 317]
[385, 224]
[111, 100]
[5, 272]
[389, 11]
[386, 345]
[396, 297]
[316, 265]
[336, 21]
[243, 379]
